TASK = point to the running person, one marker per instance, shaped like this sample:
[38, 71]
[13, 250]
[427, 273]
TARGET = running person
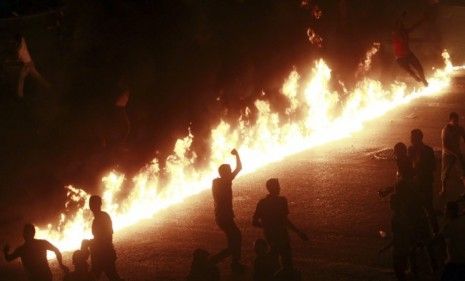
[404, 56]
[224, 214]
[33, 255]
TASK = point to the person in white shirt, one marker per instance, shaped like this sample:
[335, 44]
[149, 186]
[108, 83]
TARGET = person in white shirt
[28, 67]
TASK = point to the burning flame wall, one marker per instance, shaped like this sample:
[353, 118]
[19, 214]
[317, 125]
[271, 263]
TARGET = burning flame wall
[315, 116]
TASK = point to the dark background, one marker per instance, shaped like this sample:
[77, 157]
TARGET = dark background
[186, 63]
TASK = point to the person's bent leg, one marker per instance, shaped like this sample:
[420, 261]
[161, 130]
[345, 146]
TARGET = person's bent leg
[111, 273]
[461, 160]
[447, 163]
[286, 253]
[236, 243]
[274, 252]
[234, 237]
[34, 73]
[224, 226]
[22, 77]
[427, 194]
[418, 67]
[428, 206]
[403, 62]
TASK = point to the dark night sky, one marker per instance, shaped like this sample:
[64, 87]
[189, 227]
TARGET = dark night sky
[176, 58]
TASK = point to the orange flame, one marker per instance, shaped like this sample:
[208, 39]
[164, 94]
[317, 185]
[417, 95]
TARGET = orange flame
[365, 65]
[314, 38]
[271, 138]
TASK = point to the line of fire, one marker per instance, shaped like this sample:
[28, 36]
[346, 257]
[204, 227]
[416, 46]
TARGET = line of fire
[234, 140]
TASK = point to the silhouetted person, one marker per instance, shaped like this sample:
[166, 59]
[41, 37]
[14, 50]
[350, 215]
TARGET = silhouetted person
[81, 268]
[400, 202]
[224, 215]
[404, 55]
[405, 173]
[204, 267]
[271, 215]
[424, 165]
[102, 252]
[451, 135]
[409, 224]
[265, 264]
[33, 255]
[28, 66]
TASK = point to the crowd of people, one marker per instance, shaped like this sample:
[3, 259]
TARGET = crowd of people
[414, 221]
[33, 253]
[274, 254]
[414, 225]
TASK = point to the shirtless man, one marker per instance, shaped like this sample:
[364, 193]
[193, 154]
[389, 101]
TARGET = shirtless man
[33, 255]
[451, 137]
[224, 215]
[404, 55]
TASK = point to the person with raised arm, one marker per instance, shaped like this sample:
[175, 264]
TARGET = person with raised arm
[224, 214]
[404, 55]
[33, 255]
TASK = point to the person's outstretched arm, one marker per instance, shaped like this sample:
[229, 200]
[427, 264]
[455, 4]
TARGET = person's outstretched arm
[388, 246]
[292, 227]
[9, 257]
[238, 164]
[57, 252]
[415, 25]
